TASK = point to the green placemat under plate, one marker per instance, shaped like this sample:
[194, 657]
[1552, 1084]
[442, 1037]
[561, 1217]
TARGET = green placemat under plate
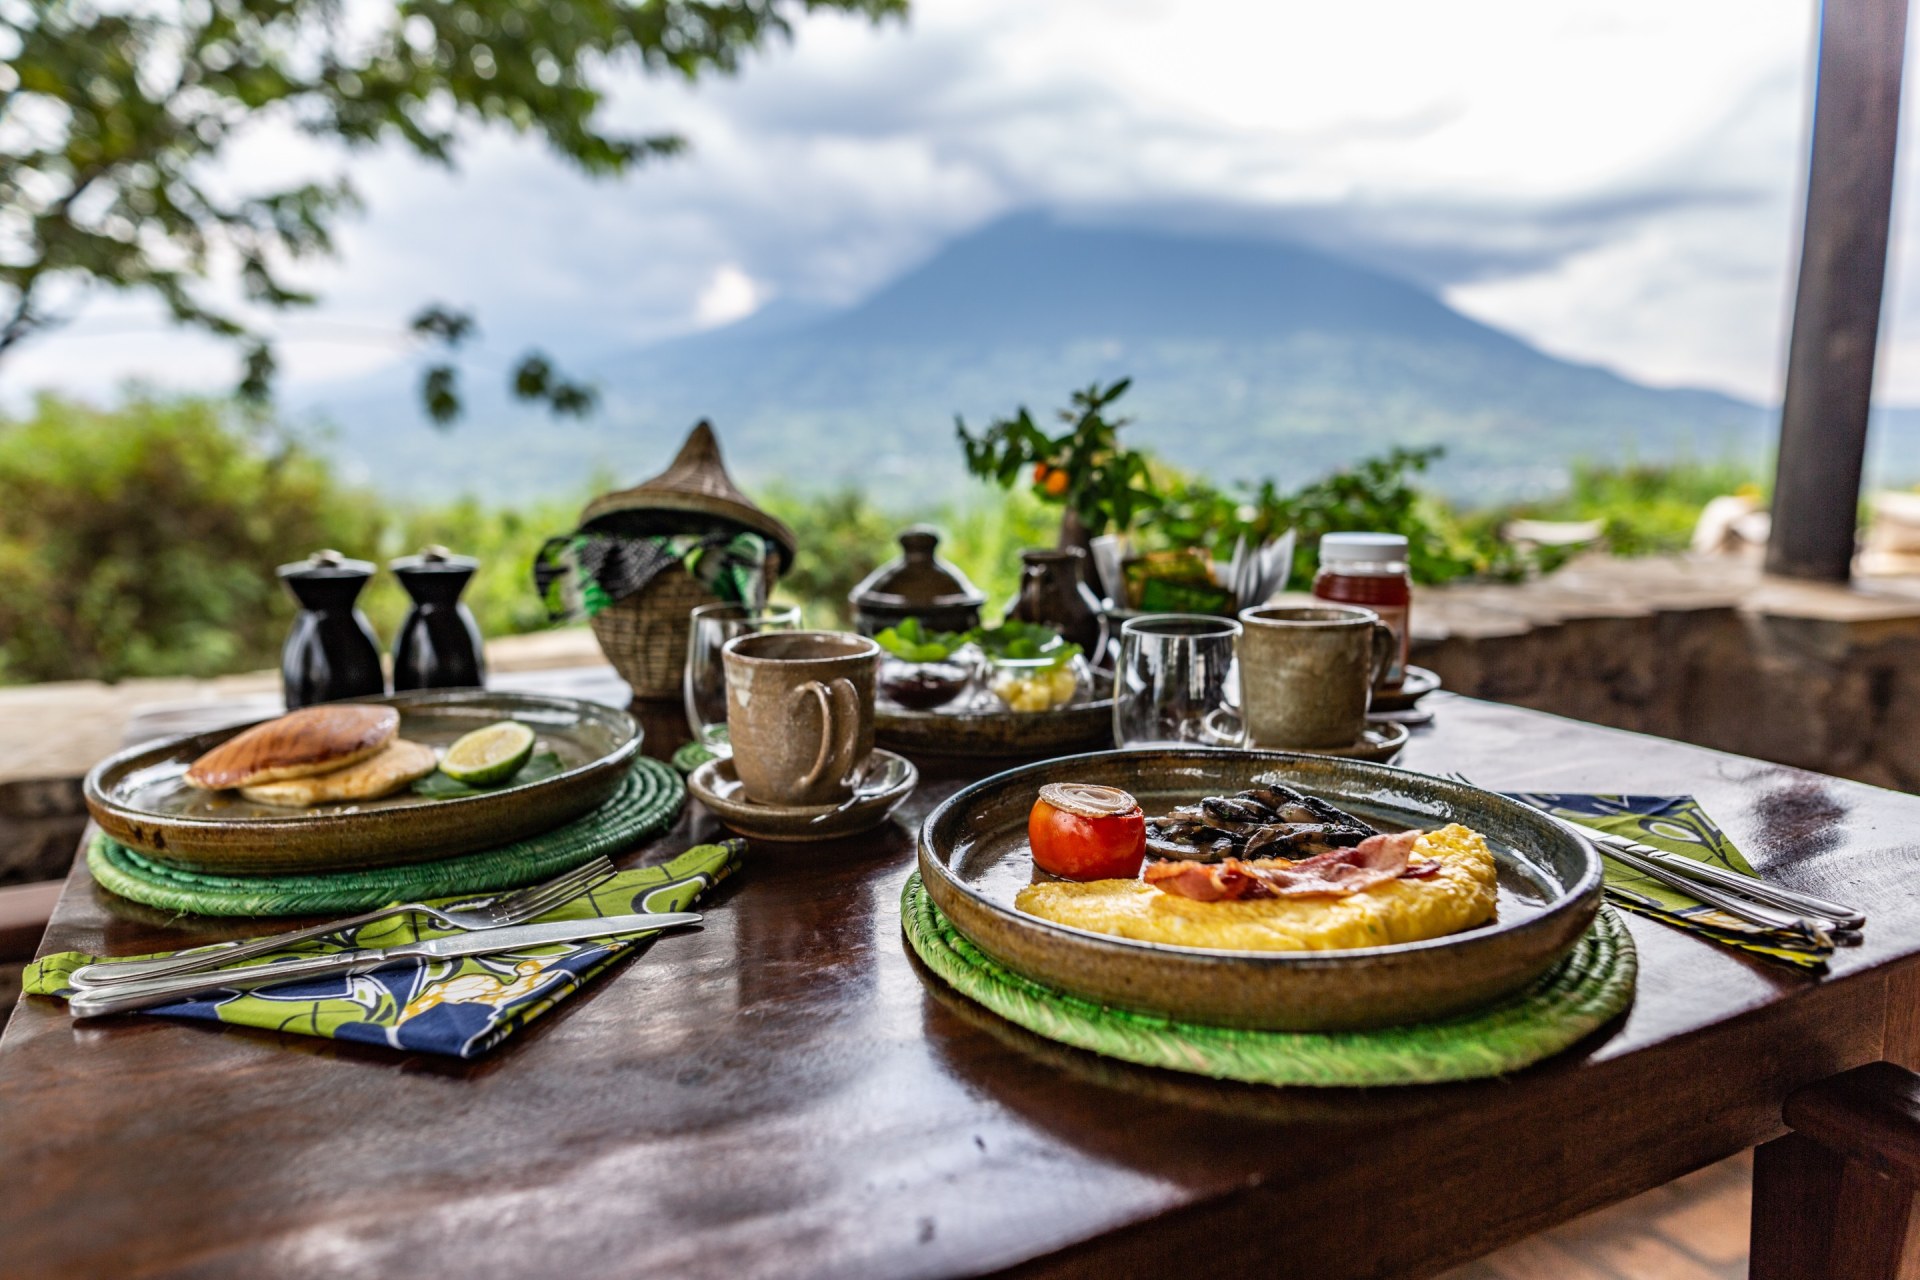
[647, 802]
[1593, 985]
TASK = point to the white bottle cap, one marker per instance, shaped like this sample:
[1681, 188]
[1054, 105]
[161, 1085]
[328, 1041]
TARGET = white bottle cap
[1367, 547]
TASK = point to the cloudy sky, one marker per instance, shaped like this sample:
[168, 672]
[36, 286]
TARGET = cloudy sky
[1618, 181]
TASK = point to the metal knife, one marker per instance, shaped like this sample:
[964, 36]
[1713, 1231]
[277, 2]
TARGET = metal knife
[141, 994]
[1843, 917]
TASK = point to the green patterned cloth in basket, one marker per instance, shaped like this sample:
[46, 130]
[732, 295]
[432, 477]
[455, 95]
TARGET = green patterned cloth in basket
[462, 1007]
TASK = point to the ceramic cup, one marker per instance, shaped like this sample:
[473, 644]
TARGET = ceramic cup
[1307, 673]
[800, 713]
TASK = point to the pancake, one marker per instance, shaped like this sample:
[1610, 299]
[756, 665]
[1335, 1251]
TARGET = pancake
[396, 765]
[298, 745]
[1458, 896]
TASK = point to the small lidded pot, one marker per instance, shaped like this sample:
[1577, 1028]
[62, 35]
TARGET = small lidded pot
[917, 585]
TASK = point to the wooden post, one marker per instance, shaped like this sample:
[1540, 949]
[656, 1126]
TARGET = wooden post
[1843, 263]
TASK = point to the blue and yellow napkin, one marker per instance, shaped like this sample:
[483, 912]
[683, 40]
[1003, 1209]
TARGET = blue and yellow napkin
[1678, 825]
[462, 1007]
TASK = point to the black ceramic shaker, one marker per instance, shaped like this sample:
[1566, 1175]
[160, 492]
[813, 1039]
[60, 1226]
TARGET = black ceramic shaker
[330, 653]
[438, 646]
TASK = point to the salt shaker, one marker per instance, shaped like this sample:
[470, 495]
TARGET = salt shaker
[331, 652]
[438, 646]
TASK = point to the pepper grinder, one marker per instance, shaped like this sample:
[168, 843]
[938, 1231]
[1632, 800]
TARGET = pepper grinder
[438, 646]
[331, 652]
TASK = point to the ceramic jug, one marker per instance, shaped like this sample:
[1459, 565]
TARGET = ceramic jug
[331, 652]
[1053, 594]
[438, 646]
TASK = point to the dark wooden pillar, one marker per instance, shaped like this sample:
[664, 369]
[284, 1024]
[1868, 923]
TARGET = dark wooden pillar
[1839, 1197]
[1843, 264]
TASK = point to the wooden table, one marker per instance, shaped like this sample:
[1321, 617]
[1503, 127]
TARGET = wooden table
[786, 1093]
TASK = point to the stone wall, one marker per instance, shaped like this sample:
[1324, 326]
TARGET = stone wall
[1706, 651]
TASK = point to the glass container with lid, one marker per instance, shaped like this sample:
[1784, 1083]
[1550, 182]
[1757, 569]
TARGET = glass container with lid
[1370, 570]
[331, 652]
[917, 585]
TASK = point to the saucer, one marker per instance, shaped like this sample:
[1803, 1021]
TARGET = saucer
[1380, 744]
[1419, 683]
[716, 785]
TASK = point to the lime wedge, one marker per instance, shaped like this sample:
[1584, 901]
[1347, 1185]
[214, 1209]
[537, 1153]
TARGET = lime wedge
[487, 757]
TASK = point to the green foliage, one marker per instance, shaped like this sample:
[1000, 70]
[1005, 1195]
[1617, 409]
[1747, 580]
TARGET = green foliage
[142, 541]
[842, 537]
[1083, 467]
[120, 117]
[912, 642]
[1019, 641]
[1647, 508]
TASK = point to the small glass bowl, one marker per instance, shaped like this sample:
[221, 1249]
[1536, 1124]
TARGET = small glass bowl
[924, 686]
[1038, 684]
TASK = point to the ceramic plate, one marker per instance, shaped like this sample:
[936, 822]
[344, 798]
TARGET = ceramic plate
[1419, 683]
[1378, 742]
[995, 733]
[716, 785]
[974, 858]
[140, 798]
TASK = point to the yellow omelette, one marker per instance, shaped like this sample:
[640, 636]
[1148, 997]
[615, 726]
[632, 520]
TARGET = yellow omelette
[1459, 896]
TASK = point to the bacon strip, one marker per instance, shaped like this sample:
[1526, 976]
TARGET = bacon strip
[1333, 874]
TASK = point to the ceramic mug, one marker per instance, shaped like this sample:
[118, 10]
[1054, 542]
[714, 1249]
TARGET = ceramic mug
[800, 713]
[1307, 673]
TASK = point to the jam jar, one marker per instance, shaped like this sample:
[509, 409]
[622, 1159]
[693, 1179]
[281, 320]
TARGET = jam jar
[1370, 570]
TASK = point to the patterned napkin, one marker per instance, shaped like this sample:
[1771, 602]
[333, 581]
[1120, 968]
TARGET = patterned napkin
[461, 1007]
[1677, 824]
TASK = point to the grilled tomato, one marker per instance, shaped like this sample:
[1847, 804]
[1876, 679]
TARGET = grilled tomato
[1084, 832]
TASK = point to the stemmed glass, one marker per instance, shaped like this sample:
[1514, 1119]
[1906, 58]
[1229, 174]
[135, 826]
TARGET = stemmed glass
[712, 625]
[1176, 683]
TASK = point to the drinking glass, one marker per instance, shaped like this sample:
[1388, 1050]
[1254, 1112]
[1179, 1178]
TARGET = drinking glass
[1177, 684]
[712, 625]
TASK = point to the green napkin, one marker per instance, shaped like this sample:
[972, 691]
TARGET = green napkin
[461, 1007]
[1678, 825]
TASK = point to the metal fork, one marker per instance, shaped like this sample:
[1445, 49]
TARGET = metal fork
[496, 912]
[1729, 900]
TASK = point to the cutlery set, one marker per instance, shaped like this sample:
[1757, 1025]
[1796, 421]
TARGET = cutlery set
[485, 927]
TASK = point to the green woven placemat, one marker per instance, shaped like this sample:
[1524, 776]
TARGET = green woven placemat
[646, 803]
[1592, 985]
[691, 756]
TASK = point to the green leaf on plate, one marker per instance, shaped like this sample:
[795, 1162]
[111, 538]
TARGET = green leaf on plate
[438, 786]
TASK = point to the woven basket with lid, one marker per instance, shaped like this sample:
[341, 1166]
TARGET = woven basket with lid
[645, 635]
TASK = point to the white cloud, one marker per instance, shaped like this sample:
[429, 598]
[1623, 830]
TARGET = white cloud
[730, 295]
[1616, 180]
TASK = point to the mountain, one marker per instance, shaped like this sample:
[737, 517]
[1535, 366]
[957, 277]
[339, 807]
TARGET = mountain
[1249, 358]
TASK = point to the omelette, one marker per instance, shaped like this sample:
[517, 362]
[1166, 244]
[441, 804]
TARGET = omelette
[1458, 893]
[398, 764]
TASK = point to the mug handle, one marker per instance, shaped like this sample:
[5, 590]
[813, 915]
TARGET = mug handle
[839, 728]
[1385, 645]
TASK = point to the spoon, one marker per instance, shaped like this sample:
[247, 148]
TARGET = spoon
[877, 777]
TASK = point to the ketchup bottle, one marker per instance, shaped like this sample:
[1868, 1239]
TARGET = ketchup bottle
[1370, 570]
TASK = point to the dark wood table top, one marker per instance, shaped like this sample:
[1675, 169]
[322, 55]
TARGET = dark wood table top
[786, 1093]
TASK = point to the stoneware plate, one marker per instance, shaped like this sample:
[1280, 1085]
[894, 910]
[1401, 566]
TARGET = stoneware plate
[1378, 742]
[1419, 683]
[716, 785]
[995, 733]
[140, 799]
[974, 858]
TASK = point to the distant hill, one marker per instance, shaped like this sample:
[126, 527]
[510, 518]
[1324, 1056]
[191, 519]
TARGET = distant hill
[1249, 358]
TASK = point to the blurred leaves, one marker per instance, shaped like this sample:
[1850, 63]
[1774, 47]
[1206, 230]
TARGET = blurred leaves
[118, 118]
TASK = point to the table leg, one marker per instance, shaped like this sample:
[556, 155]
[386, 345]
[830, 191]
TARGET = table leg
[1836, 1199]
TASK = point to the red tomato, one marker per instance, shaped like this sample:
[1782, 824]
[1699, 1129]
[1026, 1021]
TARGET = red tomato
[1083, 832]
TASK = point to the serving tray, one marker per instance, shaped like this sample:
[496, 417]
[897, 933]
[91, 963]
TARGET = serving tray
[994, 733]
[974, 858]
[140, 798]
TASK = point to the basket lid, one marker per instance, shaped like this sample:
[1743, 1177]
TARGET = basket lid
[696, 483]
